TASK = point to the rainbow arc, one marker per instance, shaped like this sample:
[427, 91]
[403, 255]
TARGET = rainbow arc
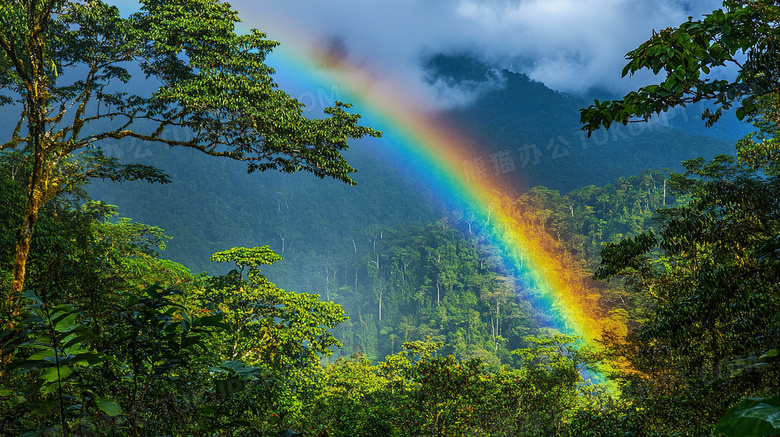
[443, 156]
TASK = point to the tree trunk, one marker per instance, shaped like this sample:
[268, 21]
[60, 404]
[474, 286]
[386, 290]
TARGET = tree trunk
[23, 239]
[38, 192]
[664, 192]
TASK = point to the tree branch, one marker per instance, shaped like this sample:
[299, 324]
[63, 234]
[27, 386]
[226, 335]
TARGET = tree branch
[78, 123]
[10, 50]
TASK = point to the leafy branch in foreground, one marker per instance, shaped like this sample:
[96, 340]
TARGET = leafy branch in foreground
[688, 53]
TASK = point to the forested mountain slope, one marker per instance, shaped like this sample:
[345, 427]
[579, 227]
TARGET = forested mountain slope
[540, 128]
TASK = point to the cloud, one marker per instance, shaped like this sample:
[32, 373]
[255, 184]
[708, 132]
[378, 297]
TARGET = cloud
[570, 45]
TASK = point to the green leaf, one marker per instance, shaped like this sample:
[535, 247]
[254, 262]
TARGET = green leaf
[45, 353]
[51, 374]
[29, 364]
[89, 359]
[65, 322]
[185, 321]
[214, 320]
[190, 341]
[752, 417]
[108, 406]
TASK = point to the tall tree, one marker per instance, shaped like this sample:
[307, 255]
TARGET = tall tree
[67, 64]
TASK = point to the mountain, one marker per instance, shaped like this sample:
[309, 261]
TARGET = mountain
[539, 128]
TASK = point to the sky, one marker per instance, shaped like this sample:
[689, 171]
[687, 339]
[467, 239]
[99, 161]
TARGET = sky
[569, 45]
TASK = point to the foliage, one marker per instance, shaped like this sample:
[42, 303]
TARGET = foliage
[140, 359]
[688, 53]
[353, 400]
[417, 393]
[584, 218]
[710, 272]
[429, 281]
[712, 288]
[758, 150]
[446, 280]
[212, 81]
[117, 341]
[752, 417]
[606, 418]
[267, 324]
[111, 340]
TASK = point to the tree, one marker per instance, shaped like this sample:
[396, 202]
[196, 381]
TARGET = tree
[711, 270]
[103, 305]
[763, 154]
[688, 53]
[710, 275]
[112, 339]
[68, 64]
[267, 325]
[282, 334]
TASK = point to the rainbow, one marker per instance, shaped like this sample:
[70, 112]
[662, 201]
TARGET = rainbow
[445, 158]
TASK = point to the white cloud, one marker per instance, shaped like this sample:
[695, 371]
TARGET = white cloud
[570, 45]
